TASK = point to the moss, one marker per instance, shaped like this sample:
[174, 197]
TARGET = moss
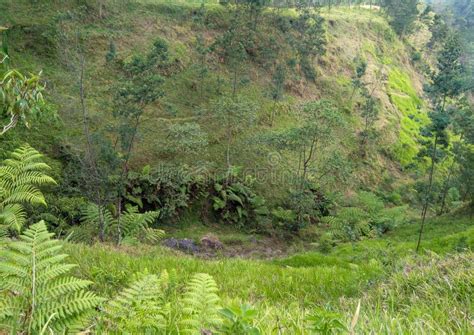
[400, 82]
[403, 95]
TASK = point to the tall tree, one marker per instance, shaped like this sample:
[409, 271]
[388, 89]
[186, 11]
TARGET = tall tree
[435, 142]
[141, 87]
[234, 114]
[230, 46]
[369, 111]
[447, 79]
[402, 13]
[445, 84]
[310, 41]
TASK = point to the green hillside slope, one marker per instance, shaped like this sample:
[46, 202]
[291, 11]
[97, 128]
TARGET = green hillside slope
[52, 36]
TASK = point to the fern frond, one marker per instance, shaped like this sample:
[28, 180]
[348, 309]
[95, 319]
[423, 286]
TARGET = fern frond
[25, 194]
[12, 216]
[37, 294]
[152, 235]
[140, 308]
[132, 222]
[200, 305]
[92, 215]
[20, 177]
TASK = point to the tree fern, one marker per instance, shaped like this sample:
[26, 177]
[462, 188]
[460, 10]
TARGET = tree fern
[140, 308]
[90, 219]
[20, 177]
[132, 225]
[36, 295]
[200, 305]
[135, 224]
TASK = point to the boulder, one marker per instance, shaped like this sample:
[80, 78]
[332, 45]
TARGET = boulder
[186, 245]
[211, 241]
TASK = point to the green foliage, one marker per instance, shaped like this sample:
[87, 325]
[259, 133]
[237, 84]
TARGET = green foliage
[447, 80]
[308, 205]
[234, 114]
[21, 98]
[428, 289]
[140, 86]
[366, 217]
[310, 41]
[235, 201]
[360, 70]
[200, 305]
[141, 308]
[403, 14]
[186, 139]
[284, 217]
[238, 320]
[403, 95]
[369, 111]
[343, 276]
[167, 188]
[439, 31]
[326, 322]
[20, 178]
[128, 226]
[135, 225]
[36, 295]
[326, 242]
[112, 53]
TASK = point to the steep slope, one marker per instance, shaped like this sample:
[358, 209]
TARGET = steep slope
[50, 36]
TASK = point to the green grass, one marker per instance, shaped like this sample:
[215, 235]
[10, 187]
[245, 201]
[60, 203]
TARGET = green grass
[412, 116]
[286, 290]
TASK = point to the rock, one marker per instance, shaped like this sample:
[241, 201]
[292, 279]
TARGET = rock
[186, 245]
[211, 241]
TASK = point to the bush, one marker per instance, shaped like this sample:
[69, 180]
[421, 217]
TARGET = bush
[234, 200]
[366, 217]
[169, 189]
[309, 206]
[284, 218]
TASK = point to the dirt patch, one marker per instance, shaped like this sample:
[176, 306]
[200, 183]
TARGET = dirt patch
[254, 248]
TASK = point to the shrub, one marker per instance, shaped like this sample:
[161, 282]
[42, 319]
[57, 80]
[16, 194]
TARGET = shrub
[284, 218]
[238, 320]
[309, 205]
[234, 200]
[365, 217]
[169, 189]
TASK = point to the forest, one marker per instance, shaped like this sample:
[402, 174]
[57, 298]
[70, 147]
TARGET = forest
[236, 167]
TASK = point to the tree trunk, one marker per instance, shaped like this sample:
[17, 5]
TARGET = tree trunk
[90, 154]
[428, 193]
[446, 188]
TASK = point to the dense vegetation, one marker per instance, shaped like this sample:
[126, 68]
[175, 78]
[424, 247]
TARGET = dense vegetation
[328, 145]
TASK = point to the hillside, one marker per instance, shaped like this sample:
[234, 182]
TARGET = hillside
[236, 167]
[49, 42]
